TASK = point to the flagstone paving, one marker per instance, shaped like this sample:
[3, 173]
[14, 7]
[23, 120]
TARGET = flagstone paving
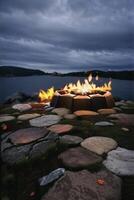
[28, 116]
[106, 111]
[123, 119]
[61, 111]
[60, 128]
[79, 113]
[79, 158]
[22, 107]
[88, 144]
[5, 118]
[45, 120]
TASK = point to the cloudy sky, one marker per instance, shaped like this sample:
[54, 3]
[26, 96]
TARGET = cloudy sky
[67, 35]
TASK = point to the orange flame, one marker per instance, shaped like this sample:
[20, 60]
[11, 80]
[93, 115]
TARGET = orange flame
[46, 96]
[87, 87]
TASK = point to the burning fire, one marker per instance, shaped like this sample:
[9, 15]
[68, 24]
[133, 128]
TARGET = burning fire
[46, 96]
[87, 87]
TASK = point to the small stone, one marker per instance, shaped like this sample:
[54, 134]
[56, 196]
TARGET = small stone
[22, 107]
[28, 116]
[49, 108]
[120, 162]
[123, 119]
[82, 185]
[61, 111]
[24, 136]
[104, 123]
[60, 128]
[130, 102]
[99, 145]
[79, 158]
[69, 116]
[106, 111]
[54, 175]
[119, 103]
[117, 109]
[125, 129]
[85, 113]
[5, 118]
[69, 140]
[45, 120]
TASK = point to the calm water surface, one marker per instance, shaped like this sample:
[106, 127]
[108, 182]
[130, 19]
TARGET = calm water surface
[32, 84]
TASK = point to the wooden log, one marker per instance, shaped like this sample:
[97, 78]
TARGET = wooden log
[65, 101]
[81, 102]
[109, 100]
[98, 101]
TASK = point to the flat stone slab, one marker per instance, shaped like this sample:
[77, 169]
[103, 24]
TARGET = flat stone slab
[99, 145]
[69, 140]
[85, 113]
[28, 116]
[79, 158]
[83, 185]
[5, 118]
[103, 123]
[52, 176]
[69, 116]
[14, 154]
[24, 136]
[106, 111]
[123, 119]
[60, 128]
[120, 162]
[22, 107]
[61, 111]
[120, 103]
[45, 120]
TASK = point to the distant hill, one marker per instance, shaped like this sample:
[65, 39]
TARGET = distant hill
[7, 71]
[122, 75]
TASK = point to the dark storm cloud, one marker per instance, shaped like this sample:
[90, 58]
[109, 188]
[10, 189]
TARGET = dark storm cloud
[65, 34]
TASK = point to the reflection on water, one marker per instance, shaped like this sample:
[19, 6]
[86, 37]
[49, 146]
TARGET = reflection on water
[32, 84]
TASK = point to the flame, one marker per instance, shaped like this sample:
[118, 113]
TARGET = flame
[46, 96]
[86, 87]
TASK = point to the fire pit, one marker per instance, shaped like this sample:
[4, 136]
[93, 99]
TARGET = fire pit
[80, 96]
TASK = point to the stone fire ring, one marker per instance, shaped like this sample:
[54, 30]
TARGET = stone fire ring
[83, 102]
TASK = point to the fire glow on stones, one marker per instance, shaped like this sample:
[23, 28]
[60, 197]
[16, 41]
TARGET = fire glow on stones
[85, 88]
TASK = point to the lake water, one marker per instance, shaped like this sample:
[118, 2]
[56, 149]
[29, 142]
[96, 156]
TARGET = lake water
[32, 84]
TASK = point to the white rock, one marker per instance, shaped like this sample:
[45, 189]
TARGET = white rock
[22, 107]
[99, 145]
[120, 162]
[5, 118]
[45, 120]
[28, 116]
[104, 123]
